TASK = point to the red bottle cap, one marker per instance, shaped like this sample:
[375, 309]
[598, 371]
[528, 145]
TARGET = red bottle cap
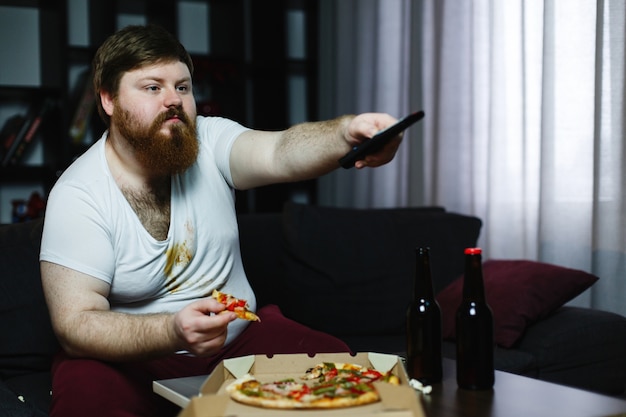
[473, 251]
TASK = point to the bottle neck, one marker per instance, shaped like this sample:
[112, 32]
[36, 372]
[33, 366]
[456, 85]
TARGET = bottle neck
[423, 284]
[473, 286]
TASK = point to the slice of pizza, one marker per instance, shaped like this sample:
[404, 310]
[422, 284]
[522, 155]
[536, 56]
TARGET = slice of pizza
[283, 394]
[236, 305]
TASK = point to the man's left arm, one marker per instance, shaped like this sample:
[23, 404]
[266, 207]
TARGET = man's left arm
[306, 150]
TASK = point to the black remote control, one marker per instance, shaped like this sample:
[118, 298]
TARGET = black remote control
[379, 140]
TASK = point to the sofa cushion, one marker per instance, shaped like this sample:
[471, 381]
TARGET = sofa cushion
[350, 271]
[33, 389]
[260, 243]
[519, 293]
[28, 341]
[11, 405]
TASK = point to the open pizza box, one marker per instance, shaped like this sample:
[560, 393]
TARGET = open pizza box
[213, 401]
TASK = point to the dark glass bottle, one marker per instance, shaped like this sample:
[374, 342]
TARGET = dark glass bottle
[423, 325]
[474, 329]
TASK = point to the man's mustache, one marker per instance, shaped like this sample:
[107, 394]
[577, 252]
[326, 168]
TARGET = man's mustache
[172, 112]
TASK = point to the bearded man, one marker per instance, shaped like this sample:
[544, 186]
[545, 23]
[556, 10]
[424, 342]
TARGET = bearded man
[142, 228]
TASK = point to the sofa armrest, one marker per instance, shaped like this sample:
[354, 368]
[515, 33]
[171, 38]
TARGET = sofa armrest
[28, 342]
[580, 346]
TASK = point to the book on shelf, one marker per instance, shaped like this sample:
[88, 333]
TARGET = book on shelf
[9, 132]
[28, 131]
[84, 102]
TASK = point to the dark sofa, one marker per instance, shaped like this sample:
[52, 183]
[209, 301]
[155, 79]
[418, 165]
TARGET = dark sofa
[347, 272]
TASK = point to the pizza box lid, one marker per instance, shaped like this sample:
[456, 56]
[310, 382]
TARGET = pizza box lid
[213, 401]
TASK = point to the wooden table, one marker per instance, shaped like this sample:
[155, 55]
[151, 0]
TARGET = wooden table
[512, 396]
[516, 396]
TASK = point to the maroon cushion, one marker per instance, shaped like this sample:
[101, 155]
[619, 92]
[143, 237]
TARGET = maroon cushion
[519, 294]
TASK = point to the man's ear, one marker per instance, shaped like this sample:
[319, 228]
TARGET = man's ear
[106, 99]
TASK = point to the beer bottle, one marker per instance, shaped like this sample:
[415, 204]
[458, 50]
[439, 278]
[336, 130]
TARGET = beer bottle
[474, 329]
[423, 325]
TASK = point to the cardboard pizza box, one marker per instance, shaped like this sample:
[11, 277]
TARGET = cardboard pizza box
[213, 401]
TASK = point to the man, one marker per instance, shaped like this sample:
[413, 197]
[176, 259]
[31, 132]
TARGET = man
[142, 228]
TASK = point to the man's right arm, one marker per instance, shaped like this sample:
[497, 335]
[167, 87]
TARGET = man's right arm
[86, 327]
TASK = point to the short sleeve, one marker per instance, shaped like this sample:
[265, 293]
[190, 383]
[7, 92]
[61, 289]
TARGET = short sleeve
[74, 235]
[219, 134]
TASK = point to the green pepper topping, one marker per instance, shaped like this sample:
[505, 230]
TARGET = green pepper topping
[251, 393]
[325, 390]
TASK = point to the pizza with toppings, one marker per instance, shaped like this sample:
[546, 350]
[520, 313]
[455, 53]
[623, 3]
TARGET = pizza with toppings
[238, 306]
[327, 385]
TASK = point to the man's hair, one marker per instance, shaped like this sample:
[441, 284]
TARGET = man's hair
[131, 48]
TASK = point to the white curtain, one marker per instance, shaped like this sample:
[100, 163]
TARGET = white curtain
[366, 66]
[524, 124]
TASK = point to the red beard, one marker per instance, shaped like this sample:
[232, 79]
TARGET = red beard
[159, 152]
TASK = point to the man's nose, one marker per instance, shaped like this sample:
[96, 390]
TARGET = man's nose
[172, 98]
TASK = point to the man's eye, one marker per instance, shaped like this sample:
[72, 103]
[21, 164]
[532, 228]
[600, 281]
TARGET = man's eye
[183, 88]
[152, 88]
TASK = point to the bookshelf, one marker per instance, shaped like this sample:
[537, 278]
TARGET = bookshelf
[33, 71]
[256, 62]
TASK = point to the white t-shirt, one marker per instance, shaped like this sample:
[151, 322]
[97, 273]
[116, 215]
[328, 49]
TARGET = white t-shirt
[90, 227]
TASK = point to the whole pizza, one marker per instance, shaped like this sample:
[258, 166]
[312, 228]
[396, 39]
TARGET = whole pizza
[327, 385]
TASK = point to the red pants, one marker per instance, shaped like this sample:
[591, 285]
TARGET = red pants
[86, 387]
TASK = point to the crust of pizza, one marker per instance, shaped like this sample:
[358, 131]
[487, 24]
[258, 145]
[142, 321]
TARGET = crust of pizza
[246, 314]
